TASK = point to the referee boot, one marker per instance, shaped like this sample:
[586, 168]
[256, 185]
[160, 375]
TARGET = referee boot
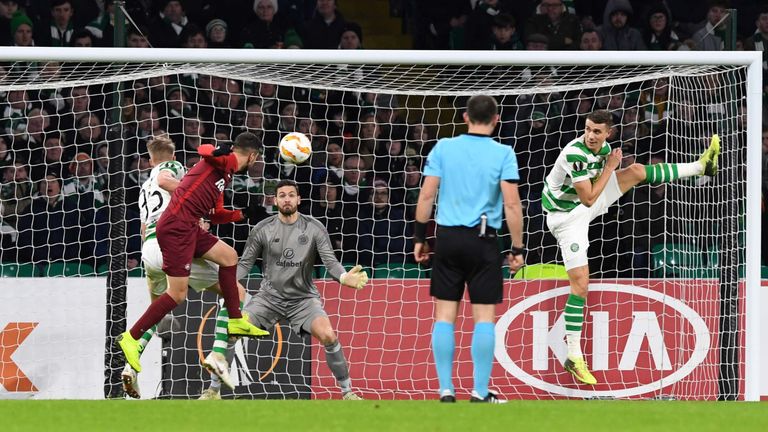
[243, 327]
[491, 398]
[580, 370]
[447, 396]
[708, 159]
[131, 349]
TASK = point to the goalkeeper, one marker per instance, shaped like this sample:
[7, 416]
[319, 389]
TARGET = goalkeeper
[288, 244]
[584, 182]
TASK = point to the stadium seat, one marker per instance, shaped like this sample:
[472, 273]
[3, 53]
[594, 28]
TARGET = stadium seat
[541, 271]
[17, 270]
[67, 269]
[400, 271]
[678, 260]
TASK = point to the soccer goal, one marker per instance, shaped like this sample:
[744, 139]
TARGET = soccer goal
[673, 309]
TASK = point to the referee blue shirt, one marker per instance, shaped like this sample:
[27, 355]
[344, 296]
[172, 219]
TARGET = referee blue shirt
[470, 168]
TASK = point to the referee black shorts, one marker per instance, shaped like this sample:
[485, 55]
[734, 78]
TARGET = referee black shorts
[463, 257]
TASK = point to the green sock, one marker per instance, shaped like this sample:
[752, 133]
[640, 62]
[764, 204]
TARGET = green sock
[145, 338]
[661, 173]
[221, 335]
[574, 319]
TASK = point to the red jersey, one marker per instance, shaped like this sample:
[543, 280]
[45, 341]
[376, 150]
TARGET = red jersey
[201, 188]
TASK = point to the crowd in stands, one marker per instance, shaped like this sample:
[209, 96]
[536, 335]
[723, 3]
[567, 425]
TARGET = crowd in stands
[364, 177]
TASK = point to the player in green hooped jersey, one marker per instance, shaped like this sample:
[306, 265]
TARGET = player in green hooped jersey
[583, 183]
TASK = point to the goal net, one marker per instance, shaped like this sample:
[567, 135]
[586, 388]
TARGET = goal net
[666, 313]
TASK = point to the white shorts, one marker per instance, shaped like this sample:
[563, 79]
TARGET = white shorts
[203, 274]
[571, 229]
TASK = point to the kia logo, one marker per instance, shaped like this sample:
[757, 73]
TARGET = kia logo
[645, 332]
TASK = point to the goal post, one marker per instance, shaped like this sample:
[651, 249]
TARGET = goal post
[430, 87]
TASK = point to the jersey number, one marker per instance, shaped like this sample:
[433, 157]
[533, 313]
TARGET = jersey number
[159, 202]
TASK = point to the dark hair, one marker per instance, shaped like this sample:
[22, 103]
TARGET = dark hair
[481, 109]
[504, 20]
[287, 182]
[248, 142]
[601, 117]
[190, 30]
[57, 3]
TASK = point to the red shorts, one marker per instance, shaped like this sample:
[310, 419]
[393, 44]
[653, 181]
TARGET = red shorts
[180, 242]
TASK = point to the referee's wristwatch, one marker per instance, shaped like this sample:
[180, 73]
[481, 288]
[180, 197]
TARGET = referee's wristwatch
[514, 250]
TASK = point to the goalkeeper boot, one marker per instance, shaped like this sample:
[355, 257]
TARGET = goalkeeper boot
[243, 327]
[708, 159]
[447, 396]
[350, 395]
[210, 394]
[130, 382]
[491, 398]
[131, 349]
[579, 369]
[217, 364]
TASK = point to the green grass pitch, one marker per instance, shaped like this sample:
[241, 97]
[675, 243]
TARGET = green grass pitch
[379, 416]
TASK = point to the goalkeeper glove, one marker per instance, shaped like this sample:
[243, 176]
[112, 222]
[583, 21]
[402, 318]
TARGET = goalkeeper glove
[355, 278]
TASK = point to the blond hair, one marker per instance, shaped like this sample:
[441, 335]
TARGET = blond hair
[161, 148]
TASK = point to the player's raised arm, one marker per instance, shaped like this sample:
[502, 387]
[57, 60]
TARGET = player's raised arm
[251, 253]
[220, 156]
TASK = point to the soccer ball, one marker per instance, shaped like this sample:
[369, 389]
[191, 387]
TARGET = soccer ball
[295, 148]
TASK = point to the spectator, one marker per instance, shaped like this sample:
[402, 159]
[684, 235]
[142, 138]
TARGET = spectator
[16, 191]
[193, 37]
[351, 36]
[21, 29]
[759, 40]
[712, 36]
[537, 42]
[616, 32]
[138, 173]
[561, 28]
[78, 102]
[505, 36]
[421, 139]
[7, 9]
[384, 235]
[190, 140]
[412, 189]
[477, 35]
[47, 232]
[168, 24]
[82, 39]
[52, 160]
[270, 28]
[356, 189]
[6, 155]
[326, 208]
[333, 170]
[656, 101]
[14, 120]
[135, 37]
[102, 28]
[323, 30]
[90, 132]
[590, 40]
[101, 167]
[216, 31]
[59, 33]
[83, 181]
[439, 24]
[390, 161]
[658, 32]
[37, 122]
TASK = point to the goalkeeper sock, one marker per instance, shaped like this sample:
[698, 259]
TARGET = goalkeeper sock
[574, 318]
[665, 172]
[483, 343]
[228, 284]
[443, 345]
[145, 338]
[337, 363]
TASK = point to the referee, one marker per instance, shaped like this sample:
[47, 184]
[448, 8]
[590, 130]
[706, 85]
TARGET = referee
[473, 172]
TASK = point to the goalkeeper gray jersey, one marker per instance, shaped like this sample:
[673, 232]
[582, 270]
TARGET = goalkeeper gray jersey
[576, 163]
[288, 254]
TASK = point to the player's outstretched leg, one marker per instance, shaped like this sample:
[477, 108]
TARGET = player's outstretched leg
[243, 327]
[443, 347]
[667, 172]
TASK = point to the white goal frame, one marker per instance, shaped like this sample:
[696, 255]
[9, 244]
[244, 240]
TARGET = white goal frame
[752, 60]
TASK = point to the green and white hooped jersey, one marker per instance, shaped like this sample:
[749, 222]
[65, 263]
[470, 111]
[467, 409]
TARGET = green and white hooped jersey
[575, 163]
[153, 200]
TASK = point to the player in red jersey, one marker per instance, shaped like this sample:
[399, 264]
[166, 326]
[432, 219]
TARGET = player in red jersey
[181, 239]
